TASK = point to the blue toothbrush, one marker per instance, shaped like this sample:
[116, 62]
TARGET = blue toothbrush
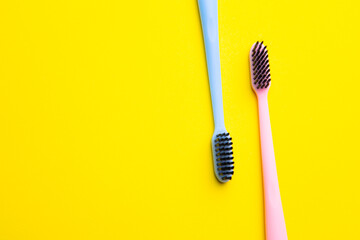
[221, 141]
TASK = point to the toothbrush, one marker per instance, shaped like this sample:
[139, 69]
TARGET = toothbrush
[260, 79]
[221, 141]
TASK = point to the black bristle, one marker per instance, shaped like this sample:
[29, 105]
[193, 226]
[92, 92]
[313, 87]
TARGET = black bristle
[226, 178]
[222, 144]
[223, 149]
[260, 66]
[222, 158]
[226, 168]
[224, 163]
[224, 155]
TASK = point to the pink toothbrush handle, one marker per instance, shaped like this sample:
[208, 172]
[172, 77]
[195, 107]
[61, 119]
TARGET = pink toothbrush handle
[274, 216]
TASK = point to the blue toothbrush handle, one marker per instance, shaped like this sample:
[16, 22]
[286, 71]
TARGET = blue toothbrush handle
[209, 19]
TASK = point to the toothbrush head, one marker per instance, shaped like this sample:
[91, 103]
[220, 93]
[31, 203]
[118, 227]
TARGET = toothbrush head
[223, 156]
[260, 68]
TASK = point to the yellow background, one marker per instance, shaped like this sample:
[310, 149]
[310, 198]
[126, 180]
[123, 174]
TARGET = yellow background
[106, 120]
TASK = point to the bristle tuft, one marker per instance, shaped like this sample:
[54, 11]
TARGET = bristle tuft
[260, 66]
[224, 156]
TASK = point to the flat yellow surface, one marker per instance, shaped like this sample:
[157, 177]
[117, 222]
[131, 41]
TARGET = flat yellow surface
[106, 120]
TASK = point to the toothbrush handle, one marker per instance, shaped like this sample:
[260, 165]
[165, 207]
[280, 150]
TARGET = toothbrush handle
[209, 19]
[274, 216]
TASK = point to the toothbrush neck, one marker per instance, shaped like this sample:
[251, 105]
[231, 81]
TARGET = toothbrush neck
[262, 95]
[219, 123]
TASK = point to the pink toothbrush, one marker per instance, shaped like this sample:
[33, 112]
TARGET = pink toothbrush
[260, 79]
